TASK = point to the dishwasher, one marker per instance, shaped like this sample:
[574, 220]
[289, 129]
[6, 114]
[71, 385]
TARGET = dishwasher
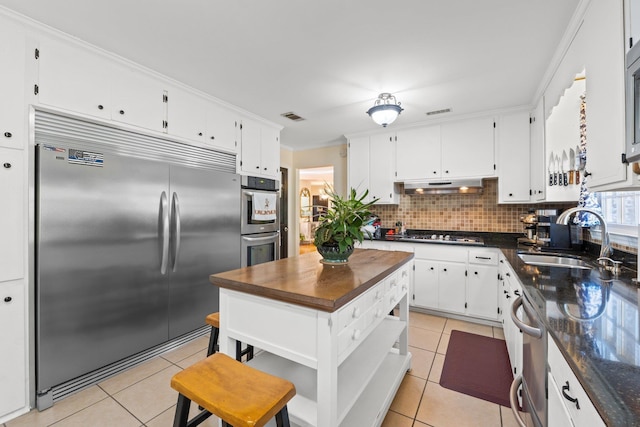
[533, 380]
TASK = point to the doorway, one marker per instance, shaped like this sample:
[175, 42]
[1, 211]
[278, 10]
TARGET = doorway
[313, 202]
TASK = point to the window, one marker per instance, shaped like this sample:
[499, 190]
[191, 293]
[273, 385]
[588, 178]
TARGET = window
[621, 209]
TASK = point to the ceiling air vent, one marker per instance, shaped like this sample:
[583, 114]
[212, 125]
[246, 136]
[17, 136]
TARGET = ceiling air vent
[431, 113]
[292, 116]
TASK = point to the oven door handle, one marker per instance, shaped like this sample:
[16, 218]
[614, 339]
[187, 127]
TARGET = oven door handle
[247, 193]
[527, 329]
[260, 239]
[513, 400]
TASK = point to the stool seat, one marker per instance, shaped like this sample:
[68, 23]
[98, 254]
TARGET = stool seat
[213, 320]
[235, 392]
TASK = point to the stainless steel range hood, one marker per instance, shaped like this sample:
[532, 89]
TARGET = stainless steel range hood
[459, 186]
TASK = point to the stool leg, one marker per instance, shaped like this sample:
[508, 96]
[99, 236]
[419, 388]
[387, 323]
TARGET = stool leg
[250, 356]
[282, 418]
[213, 341]
[238, 351]
[182, 411]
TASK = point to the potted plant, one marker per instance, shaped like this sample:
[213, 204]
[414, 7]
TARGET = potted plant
[340, 227]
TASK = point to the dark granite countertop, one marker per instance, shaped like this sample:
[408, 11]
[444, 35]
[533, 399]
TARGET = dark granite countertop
[594, 319]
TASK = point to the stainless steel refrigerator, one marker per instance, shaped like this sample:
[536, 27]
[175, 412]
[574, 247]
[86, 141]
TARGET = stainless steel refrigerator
[124, 249]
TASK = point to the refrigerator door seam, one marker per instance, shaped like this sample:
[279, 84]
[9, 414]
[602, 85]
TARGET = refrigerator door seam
[164, 212]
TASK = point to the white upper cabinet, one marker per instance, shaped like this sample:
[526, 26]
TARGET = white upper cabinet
[222, 128]
[418, 153]
[12, 112]
[270, 151]
[195, 118]
[538, 177]
[137, 99]
[79, 79]
[260, 153]
[605, 69]
[186, 115]
[513, 158]
[468, 148]
[382, 154]
[74, 78]
[371, 167]
[358, 164]
[455, 149]
[632, 15]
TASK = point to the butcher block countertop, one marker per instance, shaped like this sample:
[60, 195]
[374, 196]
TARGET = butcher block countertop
[305, 281]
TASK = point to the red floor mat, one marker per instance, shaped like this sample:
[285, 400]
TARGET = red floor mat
[478, 366]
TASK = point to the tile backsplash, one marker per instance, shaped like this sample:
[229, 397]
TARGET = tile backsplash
[460, 212]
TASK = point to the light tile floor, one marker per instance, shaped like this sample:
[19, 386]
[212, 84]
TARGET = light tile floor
[142, 396]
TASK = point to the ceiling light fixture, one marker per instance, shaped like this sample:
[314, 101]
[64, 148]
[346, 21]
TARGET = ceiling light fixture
[385, 109]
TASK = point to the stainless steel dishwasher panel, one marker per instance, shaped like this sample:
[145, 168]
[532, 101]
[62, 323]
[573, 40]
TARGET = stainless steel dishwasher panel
[534, 366]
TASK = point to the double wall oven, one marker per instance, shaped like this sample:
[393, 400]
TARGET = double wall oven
[260, 227]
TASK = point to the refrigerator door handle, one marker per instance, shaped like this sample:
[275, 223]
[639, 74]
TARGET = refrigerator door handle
[175, 206]
[164, 215]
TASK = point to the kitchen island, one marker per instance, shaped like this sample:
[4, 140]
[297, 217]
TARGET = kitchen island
[326, 328]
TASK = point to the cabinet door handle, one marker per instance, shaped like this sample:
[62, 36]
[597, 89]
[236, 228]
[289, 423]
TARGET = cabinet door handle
[7, 165]
[508, 274]
[8, 134]
[100, 107]
[7, 299]
[565, 389]
[122, 112]
[475, 272]
[444, 269]
[517, 292]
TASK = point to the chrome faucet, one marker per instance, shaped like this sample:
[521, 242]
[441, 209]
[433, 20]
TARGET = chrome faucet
[605, 248]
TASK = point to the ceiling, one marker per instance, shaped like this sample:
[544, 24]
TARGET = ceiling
[327, 61]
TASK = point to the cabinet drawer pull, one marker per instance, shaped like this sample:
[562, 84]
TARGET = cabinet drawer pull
[7, 165]
[483, 257]
[8, 134]
[565, 389]
[517, 292]
[7, 299]
[100, 107]
[507, 274]
[199, 133]
[122, 112]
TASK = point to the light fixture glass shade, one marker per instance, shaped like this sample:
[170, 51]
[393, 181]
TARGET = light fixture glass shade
[385, 110]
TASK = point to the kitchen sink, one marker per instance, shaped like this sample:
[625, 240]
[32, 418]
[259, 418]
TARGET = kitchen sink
[555, 261]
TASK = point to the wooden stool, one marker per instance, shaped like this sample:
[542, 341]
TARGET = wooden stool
[214, 320]
[241, 396]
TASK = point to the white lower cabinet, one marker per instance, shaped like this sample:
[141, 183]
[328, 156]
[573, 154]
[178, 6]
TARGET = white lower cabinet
[482, 284]
[557, 413]
[426, 294]
[13, 369]
[461, 280]
[509, 290]
[567, 398]
[451, 287]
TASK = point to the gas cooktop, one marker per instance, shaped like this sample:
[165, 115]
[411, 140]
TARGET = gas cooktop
[442, 238]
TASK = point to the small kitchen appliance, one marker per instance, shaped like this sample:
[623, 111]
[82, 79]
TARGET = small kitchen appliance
[550, 235]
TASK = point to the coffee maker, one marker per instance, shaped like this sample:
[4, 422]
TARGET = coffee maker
[530, 222]
[550, 235]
